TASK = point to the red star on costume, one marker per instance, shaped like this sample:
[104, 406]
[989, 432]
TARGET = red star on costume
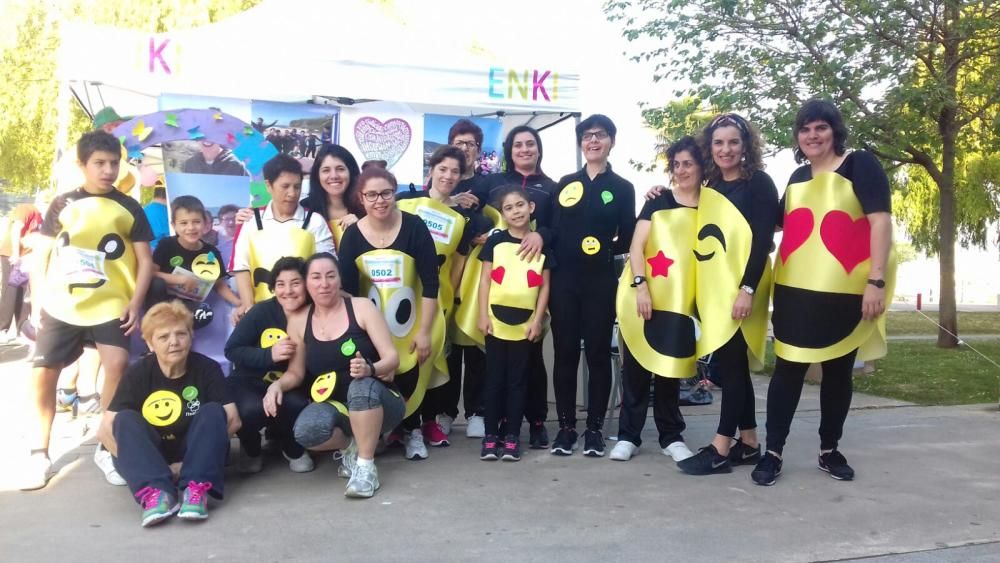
[660, 265]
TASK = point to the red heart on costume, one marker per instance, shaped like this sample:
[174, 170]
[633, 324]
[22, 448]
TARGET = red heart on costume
[798, 226]
[497, 274]
[848, 240]
[534, 279]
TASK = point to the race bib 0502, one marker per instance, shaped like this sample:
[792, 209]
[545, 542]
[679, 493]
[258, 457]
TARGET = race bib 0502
[385, 272]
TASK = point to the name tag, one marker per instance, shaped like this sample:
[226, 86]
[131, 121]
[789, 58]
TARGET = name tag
[440, 225]
[385, 272]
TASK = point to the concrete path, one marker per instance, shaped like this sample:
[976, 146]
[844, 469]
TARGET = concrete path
[927, 490]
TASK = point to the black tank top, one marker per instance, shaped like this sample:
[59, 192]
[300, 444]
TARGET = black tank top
[328, 361]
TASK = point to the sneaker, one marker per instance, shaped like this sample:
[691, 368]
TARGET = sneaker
[623, 451]
[195, 503]
[678, 451]
[250, 464]
[65, 398]
[415, 448]
[593, 443]
[565, 441]
[476, 427]
[36, 472]
[157, 506]
[706, 462]
[511, 448]
[835, 464]
[742, 454]
[301, 464]
[434, 435]
[489, 451]
[348, 461]
[395, 438]
[445, 422]
[538, 436]
[87, 405]
[767, 470]
[364, 481]
[102, 458]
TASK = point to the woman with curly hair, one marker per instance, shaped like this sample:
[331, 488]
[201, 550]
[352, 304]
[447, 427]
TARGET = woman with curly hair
[736, 218]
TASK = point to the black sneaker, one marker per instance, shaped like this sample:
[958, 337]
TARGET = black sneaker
[538, 438]
[511, 448]
[489, 451]
[565, 441]
[767, 470]
[742, 454]
[705, 462]
[593, 443]
[835, 464]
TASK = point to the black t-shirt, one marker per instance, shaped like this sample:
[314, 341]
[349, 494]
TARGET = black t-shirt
[414, 240]
[249, 346]
[140, 231]
[169, 404]
[540, 189]
[206, 263]
[464, 244]
[757, 200]
[601, 210]
[862, 169]
[486, 254]
[665, 200]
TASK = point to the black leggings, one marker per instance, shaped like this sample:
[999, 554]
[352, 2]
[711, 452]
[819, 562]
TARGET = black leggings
[407, 383]
[635, 403]
[474, 360]
[507, 375]
[587, 311]
[835, 394]
[536, 405]
[733, 367]
[248, 394]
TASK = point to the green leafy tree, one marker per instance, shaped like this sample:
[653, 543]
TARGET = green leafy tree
[917, 80]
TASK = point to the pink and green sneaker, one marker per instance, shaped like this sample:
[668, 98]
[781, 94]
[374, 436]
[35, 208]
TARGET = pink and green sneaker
[195, 503]
[157, 506]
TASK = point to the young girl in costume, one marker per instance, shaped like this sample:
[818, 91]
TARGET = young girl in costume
[513, 296]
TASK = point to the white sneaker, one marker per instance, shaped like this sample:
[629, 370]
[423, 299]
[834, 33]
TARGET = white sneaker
[415, 447]
[102, 458]
[677, 450]
[36, 472]
[476, 427]
[445, 422]
[364, 482]
[348, 461]
[623, 451]
[250, 464]
[301, 464]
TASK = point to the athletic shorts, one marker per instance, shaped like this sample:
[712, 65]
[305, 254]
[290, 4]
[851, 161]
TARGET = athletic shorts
[59, 344]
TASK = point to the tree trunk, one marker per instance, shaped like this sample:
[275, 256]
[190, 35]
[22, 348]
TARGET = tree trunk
[948, 128]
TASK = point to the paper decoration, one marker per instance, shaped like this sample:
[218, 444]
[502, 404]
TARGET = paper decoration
[254, 153]
[141, 132]
[170, 120]
[382, 141]
[195, 133]
[248, 131]
[217, 116]
[230, 139]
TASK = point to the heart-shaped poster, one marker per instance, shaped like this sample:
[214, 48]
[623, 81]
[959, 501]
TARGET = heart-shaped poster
[382, 141]
[848, 240]
[798, 226]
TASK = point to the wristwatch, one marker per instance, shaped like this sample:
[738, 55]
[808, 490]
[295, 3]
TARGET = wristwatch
[371, 368]
[877, 283]
[749, 290]
[638, 280]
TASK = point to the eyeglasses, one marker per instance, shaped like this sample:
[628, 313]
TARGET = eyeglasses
[372, 197]
[595, 135]
[467, 145]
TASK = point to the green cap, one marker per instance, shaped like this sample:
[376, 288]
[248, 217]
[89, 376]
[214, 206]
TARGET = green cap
[107, 115]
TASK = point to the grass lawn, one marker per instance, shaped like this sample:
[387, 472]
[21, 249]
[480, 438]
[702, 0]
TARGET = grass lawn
[918, 371]
[914, 323]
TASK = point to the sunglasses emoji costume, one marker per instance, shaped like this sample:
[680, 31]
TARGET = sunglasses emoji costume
[91, 275]
[466, 331]
[266, 249]
[822, 271]
[666, 343]
[721, 251]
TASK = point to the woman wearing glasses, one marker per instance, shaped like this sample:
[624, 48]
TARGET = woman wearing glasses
[389, 257]
[737, 213]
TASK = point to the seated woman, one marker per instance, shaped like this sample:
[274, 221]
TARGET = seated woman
[345, 355]
[260, 349]
[169, 423]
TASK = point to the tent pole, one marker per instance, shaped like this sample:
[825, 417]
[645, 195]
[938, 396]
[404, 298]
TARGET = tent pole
[62, 127]
[579, 153]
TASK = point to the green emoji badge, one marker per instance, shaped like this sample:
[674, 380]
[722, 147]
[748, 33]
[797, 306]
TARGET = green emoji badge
[607, 197]
[190, 393]
[176, 261]
[348, 348]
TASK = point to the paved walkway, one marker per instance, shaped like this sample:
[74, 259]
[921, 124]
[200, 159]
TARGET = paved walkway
[927, 490]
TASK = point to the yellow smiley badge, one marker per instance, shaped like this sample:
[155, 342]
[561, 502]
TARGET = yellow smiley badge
[323, 386]
[590, 245]
[571, 194]
[206, 266]
[271, 336]
[162, 408]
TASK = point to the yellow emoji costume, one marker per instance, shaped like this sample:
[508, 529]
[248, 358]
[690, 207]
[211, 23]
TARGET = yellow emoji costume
[514, 287]
[467, 312]
[336, 230]
[821, 274]
[447, 227]
[389, 278]
[92, 269]
[266, 249]
[666, 343]
[722, 251]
